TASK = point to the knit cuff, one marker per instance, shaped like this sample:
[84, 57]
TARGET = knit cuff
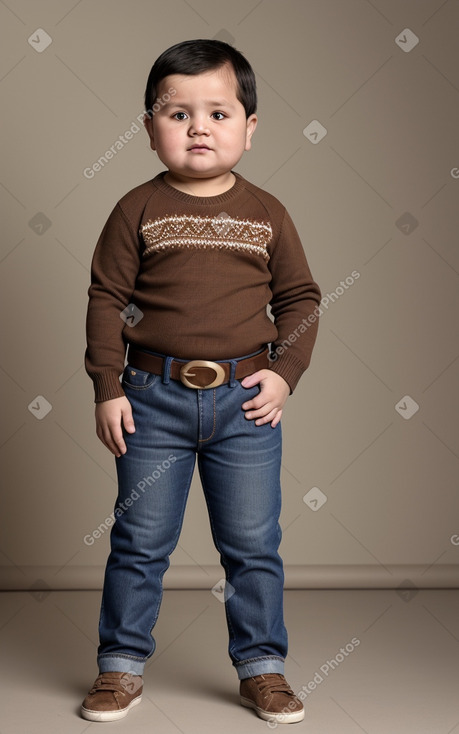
[289, 367]
[107, 386]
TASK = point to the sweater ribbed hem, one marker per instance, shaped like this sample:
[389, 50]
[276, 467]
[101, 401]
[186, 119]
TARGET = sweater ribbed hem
[289, 367]
[107, 386]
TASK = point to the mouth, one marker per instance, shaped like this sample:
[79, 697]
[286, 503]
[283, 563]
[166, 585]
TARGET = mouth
[199, 147]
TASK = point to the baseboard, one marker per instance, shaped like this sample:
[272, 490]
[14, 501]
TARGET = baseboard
[436, 576]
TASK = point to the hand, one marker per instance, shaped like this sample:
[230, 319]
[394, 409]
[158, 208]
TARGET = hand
[267, 406]
[111, 416]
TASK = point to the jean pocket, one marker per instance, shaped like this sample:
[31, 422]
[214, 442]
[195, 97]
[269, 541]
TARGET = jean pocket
[138, 379]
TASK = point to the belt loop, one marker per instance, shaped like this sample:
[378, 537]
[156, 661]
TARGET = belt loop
[232, 380]
[167, 370]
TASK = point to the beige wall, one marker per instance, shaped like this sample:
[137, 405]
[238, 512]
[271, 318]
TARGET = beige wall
[389, 158]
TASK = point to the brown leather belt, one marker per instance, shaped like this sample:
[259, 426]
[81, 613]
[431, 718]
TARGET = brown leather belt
[199, 374]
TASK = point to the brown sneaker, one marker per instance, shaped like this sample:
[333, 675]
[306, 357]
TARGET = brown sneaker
[272, 698]
[111, 696]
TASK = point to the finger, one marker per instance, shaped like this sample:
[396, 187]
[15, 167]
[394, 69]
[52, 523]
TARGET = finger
[105, 438]
[260, 412]
[276, 419]
[255, 403]
[128, 420]
[118, 443]
[267, 418]
[112, 440]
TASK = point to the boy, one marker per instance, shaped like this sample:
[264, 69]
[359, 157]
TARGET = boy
[190, 260]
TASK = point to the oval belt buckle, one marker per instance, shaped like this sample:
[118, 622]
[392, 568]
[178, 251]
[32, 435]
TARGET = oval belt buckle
[186, 371]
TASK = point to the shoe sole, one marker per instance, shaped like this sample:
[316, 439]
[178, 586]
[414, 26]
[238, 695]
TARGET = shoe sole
[292, 717]
[109, 715]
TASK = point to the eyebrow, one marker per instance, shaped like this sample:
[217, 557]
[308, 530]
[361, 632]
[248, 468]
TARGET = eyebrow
[208, 102]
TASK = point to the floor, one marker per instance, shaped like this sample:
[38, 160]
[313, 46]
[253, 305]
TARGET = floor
[397, 673]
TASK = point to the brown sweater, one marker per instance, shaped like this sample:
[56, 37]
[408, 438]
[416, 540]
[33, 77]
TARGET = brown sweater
[193, 276]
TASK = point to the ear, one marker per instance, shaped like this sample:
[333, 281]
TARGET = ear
[251, 125]
[148, 124]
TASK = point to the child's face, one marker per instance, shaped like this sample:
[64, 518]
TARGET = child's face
[202, 132]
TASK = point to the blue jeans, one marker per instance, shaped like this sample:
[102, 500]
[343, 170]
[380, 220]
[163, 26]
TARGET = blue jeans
[239, 466]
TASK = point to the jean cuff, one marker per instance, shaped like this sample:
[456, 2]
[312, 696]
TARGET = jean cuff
[258, 666]
[109, 663]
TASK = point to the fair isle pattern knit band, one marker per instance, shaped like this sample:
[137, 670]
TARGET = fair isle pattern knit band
[222, 233]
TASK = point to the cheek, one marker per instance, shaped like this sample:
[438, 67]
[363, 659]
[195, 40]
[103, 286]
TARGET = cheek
[234, 138]
[168, 140]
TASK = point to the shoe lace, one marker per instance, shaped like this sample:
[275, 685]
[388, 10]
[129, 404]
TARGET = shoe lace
[273, 684]
[107, 682]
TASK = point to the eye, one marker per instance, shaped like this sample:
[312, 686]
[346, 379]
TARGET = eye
[221, 116]
[179, 116]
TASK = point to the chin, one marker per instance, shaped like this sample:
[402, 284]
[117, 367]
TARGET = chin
[196, 173]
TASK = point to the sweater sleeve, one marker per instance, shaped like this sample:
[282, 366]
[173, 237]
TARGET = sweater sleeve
[114, 269]
[295, 298]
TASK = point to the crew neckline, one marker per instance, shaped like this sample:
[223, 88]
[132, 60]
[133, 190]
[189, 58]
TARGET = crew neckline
[174, 193]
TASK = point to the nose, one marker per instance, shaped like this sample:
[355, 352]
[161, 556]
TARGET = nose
[198, 127]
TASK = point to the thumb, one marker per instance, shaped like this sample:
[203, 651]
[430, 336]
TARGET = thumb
[254, 379]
